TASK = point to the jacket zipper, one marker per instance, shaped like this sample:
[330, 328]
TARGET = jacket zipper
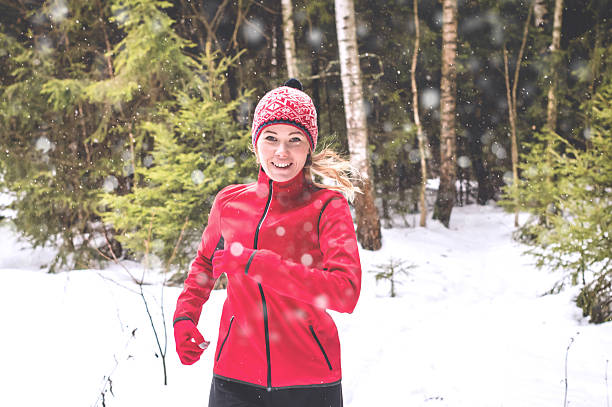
[320, 346]
[263, 297]
[226, 336]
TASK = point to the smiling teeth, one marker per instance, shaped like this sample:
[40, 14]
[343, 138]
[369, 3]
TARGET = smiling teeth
[282, 165]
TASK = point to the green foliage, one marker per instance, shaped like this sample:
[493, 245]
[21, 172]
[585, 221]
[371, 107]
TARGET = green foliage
[391, 271]
[198, 149]
[108, 97]
[48, 159]
[184, 150]
[567, 190]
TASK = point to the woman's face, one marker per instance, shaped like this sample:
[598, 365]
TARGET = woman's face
[282, 150]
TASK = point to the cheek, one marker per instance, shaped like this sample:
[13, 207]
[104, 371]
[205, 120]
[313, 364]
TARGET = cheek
[260, 154]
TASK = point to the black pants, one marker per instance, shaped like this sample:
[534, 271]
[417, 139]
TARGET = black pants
[226, 393]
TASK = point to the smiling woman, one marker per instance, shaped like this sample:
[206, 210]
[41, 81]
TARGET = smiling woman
[282, 150]
[288, 247]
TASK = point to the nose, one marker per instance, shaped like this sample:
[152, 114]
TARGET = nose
[281, 150]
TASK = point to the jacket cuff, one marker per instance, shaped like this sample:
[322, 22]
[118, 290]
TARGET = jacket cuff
[181, 319]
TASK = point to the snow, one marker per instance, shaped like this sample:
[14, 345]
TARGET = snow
[469, 327]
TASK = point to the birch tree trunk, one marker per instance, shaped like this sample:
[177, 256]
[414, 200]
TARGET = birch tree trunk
[551, 111]
[448, 90]
[417, 118]
[368, 222]
[288, 37]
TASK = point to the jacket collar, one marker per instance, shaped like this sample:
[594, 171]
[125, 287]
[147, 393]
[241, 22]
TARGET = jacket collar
[295, 188]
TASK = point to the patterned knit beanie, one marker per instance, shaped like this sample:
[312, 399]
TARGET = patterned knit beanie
[286, 105]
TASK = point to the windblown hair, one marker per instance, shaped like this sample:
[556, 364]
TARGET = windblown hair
[329, 165]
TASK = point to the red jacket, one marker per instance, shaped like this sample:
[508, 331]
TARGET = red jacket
[275, 331]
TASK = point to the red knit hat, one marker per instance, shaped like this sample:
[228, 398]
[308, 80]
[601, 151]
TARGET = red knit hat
[286, 105]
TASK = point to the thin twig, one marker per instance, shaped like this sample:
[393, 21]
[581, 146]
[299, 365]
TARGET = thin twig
[114, 259]
[178, 242]
[607, 391]
[147, 247]
[116, 283]
[268, 9]
[520, 55]
[566, 355]
[144, 299]
[107, 380]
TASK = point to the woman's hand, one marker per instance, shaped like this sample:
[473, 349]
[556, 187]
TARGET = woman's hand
[189, 342]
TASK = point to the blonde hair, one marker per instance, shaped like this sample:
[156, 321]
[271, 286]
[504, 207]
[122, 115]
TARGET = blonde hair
[328, 164]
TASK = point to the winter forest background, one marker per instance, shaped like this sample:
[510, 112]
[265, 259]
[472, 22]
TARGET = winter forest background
[120, 120]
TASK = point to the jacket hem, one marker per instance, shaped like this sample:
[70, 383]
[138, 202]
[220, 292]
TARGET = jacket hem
[297, 386]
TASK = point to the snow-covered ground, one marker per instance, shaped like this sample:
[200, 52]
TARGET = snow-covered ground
[469, 327]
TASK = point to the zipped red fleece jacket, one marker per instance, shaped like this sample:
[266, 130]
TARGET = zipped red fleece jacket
[275, 331]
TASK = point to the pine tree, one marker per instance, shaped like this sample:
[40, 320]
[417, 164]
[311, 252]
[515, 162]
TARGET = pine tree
[573, 189]
[90, 93]
[198, 149]
[54, 154]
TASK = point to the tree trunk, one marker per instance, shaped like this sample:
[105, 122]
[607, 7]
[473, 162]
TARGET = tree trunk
[551, 111]
[540, 11]
[417, 118]
[368, 222]
[274, 54]
[486, 190]
[448, 90]
[512, 113]
[288, 30]
[316, 87]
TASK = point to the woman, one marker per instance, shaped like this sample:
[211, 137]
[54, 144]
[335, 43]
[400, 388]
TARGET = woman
[288, 247]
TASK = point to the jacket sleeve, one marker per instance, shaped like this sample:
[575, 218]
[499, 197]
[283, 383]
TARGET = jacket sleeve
[337, 285]
[200, 282]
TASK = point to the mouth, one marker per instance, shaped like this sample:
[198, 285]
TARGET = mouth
[281, 166]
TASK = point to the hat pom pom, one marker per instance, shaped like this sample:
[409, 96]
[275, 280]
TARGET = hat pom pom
[294, 83]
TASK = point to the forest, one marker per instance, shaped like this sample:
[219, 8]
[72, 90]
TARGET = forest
[120, 120]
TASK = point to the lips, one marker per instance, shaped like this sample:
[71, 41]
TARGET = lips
[282, 165]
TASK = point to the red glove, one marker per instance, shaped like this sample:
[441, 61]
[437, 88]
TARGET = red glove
[231, 261]
[189, 342]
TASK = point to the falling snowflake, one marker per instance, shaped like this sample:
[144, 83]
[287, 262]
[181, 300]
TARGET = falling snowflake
[197, 177]
[43, 144]
[508, 177]
[236, 249]
[58, 11]
[430, 98]
[306, 260]
[252, 31]
[464, 161]
[110, 184]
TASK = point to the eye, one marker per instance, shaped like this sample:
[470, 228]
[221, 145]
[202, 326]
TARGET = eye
[270, 138]
[295, 139]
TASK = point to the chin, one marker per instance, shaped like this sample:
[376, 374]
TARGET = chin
[282, 177]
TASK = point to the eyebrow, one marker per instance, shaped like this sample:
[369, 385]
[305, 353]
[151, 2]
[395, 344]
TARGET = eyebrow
[291, 134]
